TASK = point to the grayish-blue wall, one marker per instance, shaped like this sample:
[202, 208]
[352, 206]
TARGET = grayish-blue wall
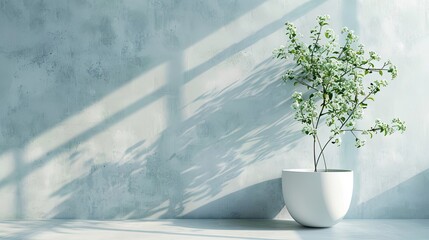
[155, 109]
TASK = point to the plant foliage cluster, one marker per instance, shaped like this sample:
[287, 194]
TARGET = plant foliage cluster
[336, 87]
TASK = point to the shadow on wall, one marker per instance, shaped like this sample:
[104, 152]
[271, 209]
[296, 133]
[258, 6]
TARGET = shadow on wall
[75, 54]
[195, 159]
[63, 56]
[411, 195]
[67, 56]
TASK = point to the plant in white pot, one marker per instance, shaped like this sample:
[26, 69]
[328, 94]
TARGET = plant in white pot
[333, 89]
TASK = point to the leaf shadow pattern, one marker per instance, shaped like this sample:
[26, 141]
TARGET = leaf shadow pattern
[194, 159]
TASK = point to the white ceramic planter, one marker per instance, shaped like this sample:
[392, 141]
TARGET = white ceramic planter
[317, 199]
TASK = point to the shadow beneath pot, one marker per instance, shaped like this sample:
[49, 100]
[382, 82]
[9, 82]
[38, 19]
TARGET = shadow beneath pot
[263, 200]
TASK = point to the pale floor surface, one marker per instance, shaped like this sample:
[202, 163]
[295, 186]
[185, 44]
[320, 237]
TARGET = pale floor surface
[210, 229]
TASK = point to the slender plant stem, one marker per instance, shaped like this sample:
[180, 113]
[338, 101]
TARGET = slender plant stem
[314, 143]
[361, 130]
[317, 125]
[307, 85]
[323, 155]
[343, 124]
[323, 149]
[342, 49]
[314, 153]
[315, 43]
[374, 69]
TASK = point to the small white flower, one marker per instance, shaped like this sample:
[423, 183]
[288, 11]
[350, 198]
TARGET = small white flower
[295, 105]
[297, 95]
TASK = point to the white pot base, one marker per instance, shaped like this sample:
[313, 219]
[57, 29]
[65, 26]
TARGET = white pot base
[317, 199]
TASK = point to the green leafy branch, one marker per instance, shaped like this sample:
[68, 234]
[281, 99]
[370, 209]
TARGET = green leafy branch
[333, 76]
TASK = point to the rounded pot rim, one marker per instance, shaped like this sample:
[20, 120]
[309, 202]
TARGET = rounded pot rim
[307, 170]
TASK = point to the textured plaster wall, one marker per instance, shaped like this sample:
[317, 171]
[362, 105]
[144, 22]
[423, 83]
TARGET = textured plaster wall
[162, 109]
